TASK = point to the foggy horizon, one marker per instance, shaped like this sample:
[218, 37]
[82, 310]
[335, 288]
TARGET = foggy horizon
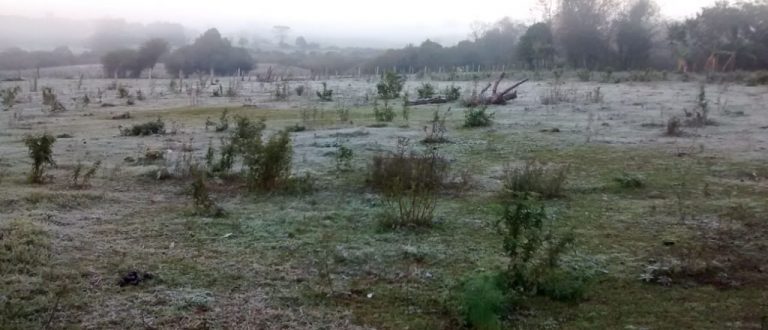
[340, 23]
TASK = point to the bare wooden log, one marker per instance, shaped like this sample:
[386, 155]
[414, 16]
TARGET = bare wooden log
[496, 98]
[432, 100]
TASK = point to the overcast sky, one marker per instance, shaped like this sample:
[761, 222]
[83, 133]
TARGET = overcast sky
[410, 20]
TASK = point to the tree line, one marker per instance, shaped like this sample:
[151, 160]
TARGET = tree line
[606, 34]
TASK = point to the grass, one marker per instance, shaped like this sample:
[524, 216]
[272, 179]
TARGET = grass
[270, 261]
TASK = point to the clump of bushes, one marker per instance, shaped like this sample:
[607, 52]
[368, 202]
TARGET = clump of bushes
[41, 152]
[534, 178]
[478, 117]
[556, 95]
[267, 165]
[156, 127]
[325, 95]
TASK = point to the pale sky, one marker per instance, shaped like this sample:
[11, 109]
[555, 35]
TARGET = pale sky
[411, 20]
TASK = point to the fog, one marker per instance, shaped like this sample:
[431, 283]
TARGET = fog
[340, 22]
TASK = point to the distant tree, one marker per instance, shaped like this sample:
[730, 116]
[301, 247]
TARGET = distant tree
[121, 63]
[724, 29]
[150, 52]
[537, 47]
[242, 42]
[209, 52]
[131, 63]
[634, 34]
[301, 43]
[582, 31]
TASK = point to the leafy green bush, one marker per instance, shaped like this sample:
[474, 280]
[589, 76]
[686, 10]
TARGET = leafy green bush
[452, 93]
[344, 157]
[546, 182]
[425, 91]
[383, 114]
[156, 127]
[584, 75]
[41, 152]
[390, 86]
[478, 117]
[532, 249]
[270, 165]
[482, 301]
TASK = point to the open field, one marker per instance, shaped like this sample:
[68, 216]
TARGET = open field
[686, 249]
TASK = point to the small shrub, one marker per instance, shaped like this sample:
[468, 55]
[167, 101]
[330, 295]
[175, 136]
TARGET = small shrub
[295, 128]
[594, 96]
[674, 127]
[201, 199]
[478, 117]
[426, 91]
[122, 92]
[41, 152]
[281, 92]
[390, 86]
[482, 301]
[80, 179]
[406, 113]
[383, 114]
[629, 181]
[556, 95]
[50, 99]
[584, 75]
[325, 95]
[546, 182]
[270, 165]
[452, 93]
[531, 247]
[9, 96]
[758, 78]
[342, 111]
[299, 90]
[607, 76]
[344, 157]
[435, 132]
[410, 183]
[156, 127]
[223, 123]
